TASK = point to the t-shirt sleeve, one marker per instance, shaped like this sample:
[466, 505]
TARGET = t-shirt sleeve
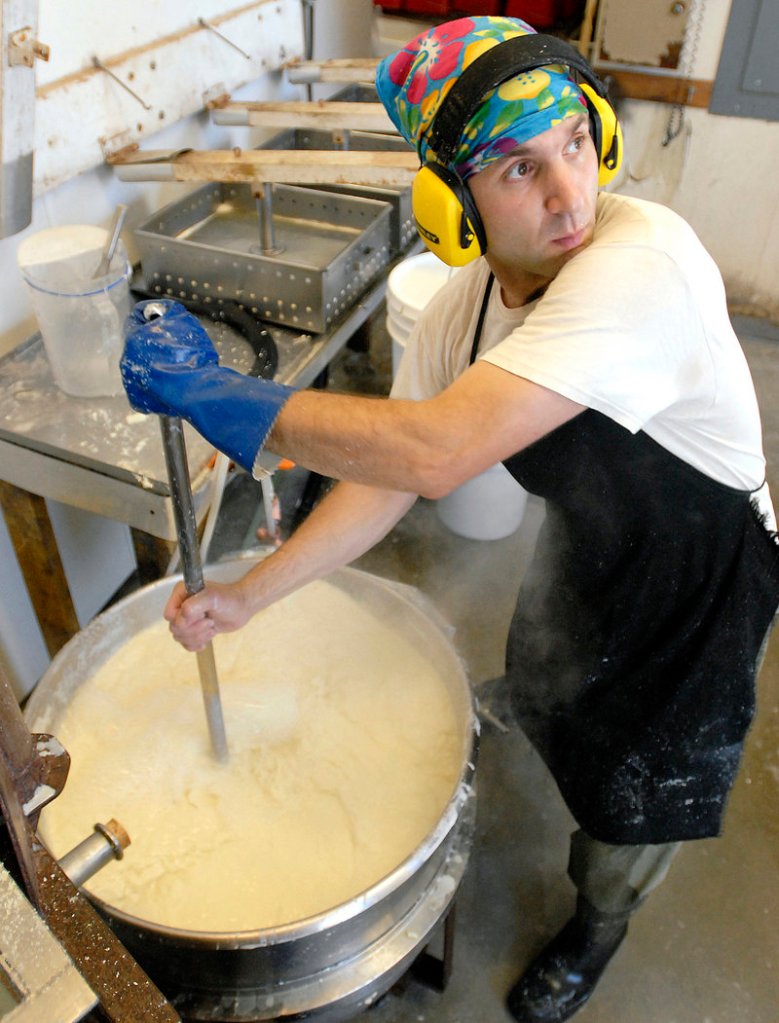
[612, 332]
[437, 348]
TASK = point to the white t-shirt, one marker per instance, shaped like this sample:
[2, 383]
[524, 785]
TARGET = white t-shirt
[635, 326]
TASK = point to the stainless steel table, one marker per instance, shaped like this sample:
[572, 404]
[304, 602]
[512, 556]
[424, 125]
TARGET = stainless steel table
[99, 455]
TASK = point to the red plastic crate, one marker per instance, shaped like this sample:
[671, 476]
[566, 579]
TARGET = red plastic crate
[453, 7]
[478, 7]
[428, 6]
[542, 13]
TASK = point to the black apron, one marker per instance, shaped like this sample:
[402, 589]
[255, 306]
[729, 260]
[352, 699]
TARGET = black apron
[633, 648]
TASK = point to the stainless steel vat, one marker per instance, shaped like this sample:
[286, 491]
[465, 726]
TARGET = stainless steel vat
[331, 966]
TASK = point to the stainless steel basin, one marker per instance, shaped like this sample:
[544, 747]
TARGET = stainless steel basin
[330, 966]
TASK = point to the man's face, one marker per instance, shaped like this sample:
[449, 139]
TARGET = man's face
[538, 202]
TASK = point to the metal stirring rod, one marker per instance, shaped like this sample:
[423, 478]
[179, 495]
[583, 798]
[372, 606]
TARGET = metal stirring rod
[111, 241]
[184, 512]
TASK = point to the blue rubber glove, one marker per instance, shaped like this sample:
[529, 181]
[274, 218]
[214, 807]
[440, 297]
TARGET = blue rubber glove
[170, 367]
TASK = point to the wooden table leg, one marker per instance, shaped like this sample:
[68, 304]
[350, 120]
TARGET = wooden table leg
[152, 555]
[32, 535]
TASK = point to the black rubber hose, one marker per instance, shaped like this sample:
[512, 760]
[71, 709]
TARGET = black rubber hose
[266, 354]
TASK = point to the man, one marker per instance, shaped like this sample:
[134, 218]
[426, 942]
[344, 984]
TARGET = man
[589, 349]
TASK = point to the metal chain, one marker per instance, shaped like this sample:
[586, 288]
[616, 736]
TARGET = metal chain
[690, 44]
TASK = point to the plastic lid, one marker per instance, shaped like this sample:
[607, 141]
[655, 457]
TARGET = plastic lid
[414, 282]
[60, 243]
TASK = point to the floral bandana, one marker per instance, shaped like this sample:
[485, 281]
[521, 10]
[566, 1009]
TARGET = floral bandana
[413, 83]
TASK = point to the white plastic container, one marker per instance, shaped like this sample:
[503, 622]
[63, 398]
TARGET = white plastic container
[81, 317]
[399, 337]
[410, 286]
[488, 507]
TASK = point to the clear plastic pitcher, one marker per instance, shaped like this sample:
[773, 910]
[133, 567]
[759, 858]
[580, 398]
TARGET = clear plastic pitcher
[81, 317]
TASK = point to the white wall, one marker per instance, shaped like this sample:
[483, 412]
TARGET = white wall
[720, 174]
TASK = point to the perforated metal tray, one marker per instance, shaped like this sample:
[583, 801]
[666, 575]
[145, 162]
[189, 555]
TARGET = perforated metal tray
[402, 224]
[208, 247]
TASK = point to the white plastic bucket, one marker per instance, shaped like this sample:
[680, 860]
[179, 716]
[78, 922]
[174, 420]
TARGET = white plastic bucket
[398, 337]
[413, 282]
[403, 324]
[81, 317]
[488, 507]
[410, 286]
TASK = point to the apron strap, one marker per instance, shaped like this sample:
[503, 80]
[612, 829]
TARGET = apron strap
[480, 322]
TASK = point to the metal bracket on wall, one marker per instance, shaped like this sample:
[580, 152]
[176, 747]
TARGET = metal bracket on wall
[118, 146]
[216, 97]
[24, 48]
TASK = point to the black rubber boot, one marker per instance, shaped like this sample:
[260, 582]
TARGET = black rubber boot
[561, 979]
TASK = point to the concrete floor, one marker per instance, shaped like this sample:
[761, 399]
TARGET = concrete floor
[705, 946]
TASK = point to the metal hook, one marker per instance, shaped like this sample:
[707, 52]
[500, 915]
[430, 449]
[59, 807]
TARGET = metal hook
[96, 63]
[210, 27]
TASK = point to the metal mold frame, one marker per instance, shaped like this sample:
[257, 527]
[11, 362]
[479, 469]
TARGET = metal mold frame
[303, 296]
[403, 228]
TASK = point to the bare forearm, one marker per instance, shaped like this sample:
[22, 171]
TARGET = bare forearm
[349, 521]
[428, 447]
[371, 441]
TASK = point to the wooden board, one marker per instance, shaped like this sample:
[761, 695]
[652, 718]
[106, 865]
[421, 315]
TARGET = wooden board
[340, 69]
[328, 115]
[259, 166]
[659, 88]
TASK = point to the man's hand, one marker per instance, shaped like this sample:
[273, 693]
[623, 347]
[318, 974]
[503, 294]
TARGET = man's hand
[164, 346]
[195, 620]
[170, 367]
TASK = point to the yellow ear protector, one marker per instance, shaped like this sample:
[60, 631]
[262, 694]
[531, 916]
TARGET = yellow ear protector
[445, 213]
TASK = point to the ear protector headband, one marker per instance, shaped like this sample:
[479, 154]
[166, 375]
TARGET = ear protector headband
[446, 215]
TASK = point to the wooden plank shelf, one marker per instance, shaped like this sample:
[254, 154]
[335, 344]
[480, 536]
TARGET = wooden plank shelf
[262, 166]
[329, 115]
